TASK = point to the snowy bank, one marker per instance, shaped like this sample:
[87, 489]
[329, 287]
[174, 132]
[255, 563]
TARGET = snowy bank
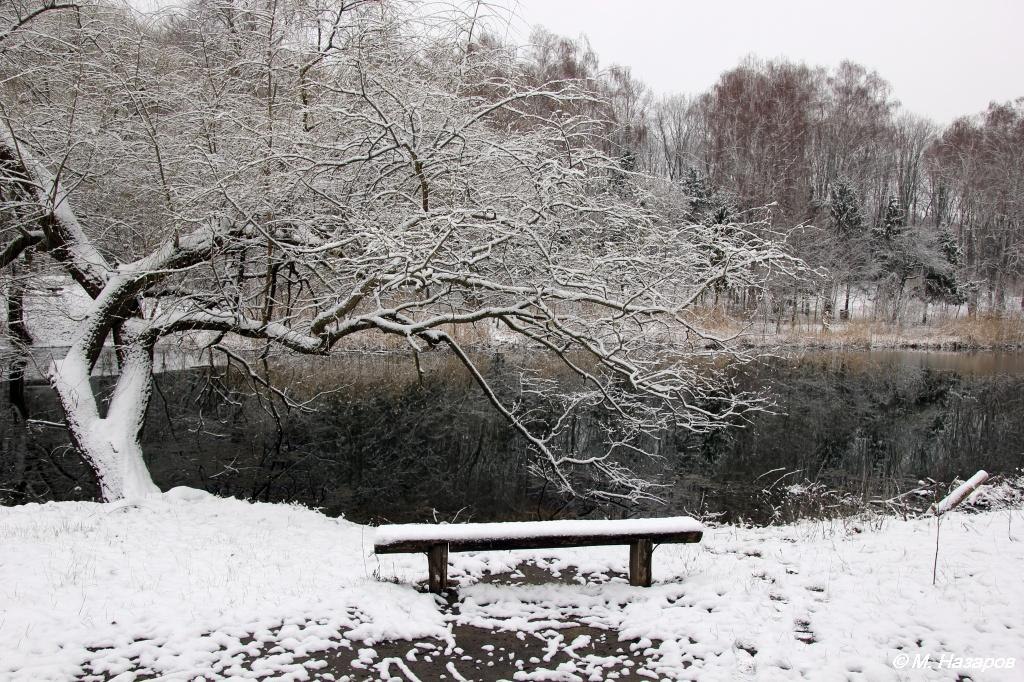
[186, 584]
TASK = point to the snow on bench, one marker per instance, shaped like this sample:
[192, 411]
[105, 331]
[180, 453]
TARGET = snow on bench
[439, 539]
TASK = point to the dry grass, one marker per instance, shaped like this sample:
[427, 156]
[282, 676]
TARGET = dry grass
[987, 330]
[981, 332]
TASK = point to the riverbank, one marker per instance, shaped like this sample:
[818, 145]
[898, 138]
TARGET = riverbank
[187, 584]
[52, 323]
[982, 333]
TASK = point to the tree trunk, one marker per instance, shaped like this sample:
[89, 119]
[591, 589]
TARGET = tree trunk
[1000, 294]
[898, 301]
[22, 340]
[827, 310]
[110, 444]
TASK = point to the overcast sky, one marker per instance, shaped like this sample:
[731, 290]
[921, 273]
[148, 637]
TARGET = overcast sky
[944, 58]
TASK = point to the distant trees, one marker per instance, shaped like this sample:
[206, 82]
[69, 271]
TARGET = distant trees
[816, 142]
[759, 119]
[975, 173]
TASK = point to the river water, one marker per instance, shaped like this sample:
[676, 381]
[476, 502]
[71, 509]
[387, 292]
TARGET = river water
[383, 443]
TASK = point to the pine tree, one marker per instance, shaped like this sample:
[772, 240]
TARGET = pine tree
[943, 284]
[949, 247]
[707, 205]
[848, 224]
[893, 222]
[844, 209]
[897, 256]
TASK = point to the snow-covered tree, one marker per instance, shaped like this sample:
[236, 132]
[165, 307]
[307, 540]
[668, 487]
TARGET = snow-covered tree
[844, 209]
[942, 283]
[851, 257]
[707, 204]
[288, 175]
[893, 221]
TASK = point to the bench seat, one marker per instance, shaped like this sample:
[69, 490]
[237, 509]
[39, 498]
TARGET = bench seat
[436, 540]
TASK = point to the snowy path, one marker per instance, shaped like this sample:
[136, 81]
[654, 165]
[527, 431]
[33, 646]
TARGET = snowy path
[188, 585]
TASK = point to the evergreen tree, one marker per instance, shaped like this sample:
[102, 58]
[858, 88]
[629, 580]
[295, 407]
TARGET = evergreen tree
[949, 247]
[851, 258]
[942, 283]
[897, 254]
[844, 209]
[893, 221]
[707, 205]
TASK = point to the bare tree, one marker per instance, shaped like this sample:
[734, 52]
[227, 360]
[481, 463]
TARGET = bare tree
[674, 133]
[976, 172]
[228, 169]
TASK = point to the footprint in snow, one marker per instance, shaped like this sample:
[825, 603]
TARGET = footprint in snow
[803, 631]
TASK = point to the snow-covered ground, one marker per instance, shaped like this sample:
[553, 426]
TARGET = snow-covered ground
[186, 585]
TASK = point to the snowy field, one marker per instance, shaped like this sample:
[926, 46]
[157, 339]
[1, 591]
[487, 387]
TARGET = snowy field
[186, 586]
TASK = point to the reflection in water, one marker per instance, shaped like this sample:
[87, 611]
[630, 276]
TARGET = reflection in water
[386, 443]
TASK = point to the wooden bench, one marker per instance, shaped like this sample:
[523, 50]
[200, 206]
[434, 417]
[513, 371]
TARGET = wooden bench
[436, 540]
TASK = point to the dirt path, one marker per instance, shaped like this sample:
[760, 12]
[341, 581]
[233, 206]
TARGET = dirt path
[566, 650]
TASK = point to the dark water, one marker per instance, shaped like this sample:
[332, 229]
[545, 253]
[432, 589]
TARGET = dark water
[386, 444]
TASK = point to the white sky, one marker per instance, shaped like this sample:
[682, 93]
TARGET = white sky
[944, 58]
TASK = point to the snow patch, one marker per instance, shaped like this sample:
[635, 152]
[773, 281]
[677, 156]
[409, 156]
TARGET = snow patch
[185, 585]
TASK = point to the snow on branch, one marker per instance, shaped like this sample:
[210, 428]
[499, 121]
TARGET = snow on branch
[295, 197]
[65, 239]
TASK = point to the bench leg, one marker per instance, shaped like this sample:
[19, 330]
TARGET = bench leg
[437, 563]
[641, 552]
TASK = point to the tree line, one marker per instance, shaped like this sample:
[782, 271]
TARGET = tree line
[887, 205]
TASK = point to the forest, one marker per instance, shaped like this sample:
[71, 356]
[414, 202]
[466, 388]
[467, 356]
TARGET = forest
[886, 206]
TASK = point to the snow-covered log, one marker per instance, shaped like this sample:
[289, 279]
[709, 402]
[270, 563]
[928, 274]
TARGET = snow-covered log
[961, 493]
